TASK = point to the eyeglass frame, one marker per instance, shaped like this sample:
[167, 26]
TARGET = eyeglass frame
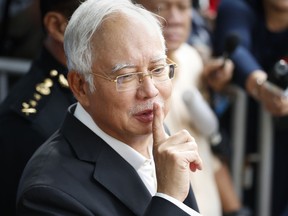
[144, 74]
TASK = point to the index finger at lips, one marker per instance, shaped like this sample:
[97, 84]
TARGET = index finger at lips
[158, 124]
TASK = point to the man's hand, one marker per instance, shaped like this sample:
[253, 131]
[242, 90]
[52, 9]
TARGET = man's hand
[175, 157]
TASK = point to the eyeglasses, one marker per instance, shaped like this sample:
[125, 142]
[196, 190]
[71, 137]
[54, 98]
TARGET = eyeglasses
[132, 81]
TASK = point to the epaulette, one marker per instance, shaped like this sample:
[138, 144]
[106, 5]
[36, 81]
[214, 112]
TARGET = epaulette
[42, 89]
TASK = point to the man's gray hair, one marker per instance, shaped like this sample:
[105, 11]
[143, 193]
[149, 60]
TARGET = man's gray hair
[84, 23]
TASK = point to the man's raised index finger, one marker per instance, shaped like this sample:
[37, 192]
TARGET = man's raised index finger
[158, 124]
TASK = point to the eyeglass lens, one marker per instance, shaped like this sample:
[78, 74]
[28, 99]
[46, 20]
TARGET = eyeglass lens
[133, 80]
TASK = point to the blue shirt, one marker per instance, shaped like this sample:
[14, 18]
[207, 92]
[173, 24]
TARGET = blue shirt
[258, 47]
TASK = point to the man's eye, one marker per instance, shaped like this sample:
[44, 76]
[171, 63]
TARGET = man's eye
[161, 7]
[125, 78]
[158, 71]
[184, 7]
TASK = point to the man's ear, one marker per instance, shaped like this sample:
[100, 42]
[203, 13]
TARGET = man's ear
[55, 24]
[79, 87]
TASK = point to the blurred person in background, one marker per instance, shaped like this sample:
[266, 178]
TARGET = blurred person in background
[260, 61]
[20, 32]
[20, 28]
[213, 187]
[36, 105]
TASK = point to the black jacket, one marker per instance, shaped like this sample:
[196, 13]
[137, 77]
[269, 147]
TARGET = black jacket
[76, 173]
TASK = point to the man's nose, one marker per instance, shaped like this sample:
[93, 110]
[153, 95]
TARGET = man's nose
[174, 15]
[142, 77]
[147, 86]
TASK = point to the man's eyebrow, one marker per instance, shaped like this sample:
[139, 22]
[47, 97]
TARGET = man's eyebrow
[121, 66]
[159, 58]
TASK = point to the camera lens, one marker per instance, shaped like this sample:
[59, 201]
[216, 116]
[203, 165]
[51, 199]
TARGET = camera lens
[281, 68]
[280, 74]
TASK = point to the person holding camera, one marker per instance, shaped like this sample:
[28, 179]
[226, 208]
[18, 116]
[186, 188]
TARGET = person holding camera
[260, 60]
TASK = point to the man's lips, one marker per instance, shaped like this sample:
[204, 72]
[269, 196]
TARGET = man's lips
[172, 35]
[145, 116]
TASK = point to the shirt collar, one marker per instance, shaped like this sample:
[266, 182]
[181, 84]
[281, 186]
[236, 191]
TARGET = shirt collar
[134, 158]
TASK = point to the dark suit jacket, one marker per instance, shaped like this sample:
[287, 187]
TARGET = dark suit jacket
[76, 173]
[33, 111]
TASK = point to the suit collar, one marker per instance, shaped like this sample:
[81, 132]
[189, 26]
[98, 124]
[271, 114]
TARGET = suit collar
[119, 177]
[111, 170]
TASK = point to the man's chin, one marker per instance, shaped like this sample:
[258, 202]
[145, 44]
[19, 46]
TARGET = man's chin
[173, 45]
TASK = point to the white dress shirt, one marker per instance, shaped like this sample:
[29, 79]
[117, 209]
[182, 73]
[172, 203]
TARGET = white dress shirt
[144, 167]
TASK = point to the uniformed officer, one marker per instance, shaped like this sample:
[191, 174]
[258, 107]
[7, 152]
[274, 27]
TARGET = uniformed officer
[36, 105]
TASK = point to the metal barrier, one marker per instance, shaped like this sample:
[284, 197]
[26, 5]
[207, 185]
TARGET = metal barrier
[263, 158]
[265, 164]
[8, 67]
[238, 122]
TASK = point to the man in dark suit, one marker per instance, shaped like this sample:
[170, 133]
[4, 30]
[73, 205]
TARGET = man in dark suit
[112, 156]
[36, 106]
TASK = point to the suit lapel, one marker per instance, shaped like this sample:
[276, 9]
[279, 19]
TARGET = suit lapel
[191, 200]
[111, 170]
[119, 177]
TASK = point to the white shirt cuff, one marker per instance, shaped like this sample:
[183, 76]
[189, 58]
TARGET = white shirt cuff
[181, 205]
